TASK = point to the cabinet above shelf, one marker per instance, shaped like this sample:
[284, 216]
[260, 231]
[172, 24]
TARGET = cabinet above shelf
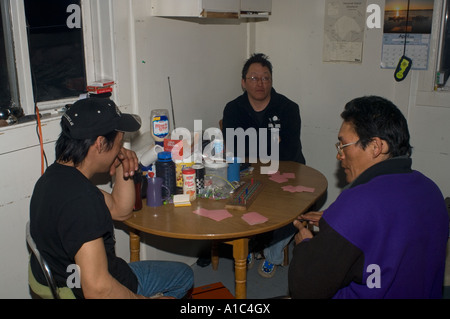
[218, 9]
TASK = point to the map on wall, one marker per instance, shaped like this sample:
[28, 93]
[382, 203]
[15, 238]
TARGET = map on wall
[344, 31]
[413, 26]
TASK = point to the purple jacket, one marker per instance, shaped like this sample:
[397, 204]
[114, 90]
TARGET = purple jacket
[385, 236]
[400, 223]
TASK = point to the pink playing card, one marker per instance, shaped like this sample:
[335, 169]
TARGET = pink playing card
[278, 179]
[201, 212]
[289, 188]
[254, 218]
[217, 215]
[281, 178]
[298, 189]
[289, 175]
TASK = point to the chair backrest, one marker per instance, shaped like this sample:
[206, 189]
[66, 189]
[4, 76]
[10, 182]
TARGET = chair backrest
[44, 266]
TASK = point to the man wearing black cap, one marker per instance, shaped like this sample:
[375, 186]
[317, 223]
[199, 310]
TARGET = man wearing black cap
[71, 220]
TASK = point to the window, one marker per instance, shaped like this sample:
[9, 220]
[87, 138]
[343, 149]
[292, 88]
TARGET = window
[8, 80]
[443, 62]
[56, 51]
[37, 47]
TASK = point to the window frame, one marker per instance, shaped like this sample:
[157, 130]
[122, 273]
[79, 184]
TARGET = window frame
[445, 24]
[425, 81]
[22, 57]
[9, 52]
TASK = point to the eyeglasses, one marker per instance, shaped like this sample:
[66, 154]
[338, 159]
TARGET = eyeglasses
[340, 147]
[264, 79]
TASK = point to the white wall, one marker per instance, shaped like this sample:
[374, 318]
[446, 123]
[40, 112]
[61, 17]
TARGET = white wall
[20, 164]
[293, 38]
[204, 61]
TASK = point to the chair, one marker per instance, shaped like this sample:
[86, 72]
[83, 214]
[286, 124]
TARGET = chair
[51, 290]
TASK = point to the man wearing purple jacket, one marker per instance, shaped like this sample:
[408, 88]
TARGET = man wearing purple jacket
[385, 235]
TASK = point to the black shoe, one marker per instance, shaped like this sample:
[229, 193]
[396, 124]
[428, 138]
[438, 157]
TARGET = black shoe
[204, 261]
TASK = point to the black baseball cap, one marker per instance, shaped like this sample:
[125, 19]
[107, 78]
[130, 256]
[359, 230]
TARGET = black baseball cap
[92, 117]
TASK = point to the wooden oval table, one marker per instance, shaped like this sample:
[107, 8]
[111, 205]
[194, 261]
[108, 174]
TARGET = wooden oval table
[279, 206]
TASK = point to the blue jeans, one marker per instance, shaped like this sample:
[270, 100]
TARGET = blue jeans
[281, 237]
[169, 278]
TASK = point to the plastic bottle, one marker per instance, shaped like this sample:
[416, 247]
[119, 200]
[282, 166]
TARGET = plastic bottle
[165, 168]
[159, 125]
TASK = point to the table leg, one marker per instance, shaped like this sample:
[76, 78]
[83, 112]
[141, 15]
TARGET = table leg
[135, 246]
[215, 255]
[240, 253]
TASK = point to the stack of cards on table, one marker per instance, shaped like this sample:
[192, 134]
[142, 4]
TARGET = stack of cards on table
[181, 200]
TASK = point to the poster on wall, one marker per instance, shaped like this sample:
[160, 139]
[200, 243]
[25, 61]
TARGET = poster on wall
[344, 31]
[407, 32]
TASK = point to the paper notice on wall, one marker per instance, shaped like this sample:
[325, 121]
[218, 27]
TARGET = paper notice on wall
[344, 31]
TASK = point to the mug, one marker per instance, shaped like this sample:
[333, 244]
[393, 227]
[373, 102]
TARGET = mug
[150, 156]
[154, 194]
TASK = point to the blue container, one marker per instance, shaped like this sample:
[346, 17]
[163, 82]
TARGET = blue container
[165, 168]
[233, 172]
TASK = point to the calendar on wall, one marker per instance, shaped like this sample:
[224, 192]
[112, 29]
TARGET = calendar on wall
[407, 31]
[417, 48]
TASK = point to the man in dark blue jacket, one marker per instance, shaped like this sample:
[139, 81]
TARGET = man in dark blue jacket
[261, 107]
[263, 111]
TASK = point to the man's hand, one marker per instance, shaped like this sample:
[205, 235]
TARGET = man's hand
[311, 218]
[129, 162]
[303, 233]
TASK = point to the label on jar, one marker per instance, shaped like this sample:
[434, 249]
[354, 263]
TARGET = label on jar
[179, 168]
[189, 183]
[160, 127]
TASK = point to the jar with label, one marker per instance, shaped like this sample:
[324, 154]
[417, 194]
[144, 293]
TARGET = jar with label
[159, 125]
[189, 183]
[179, 167]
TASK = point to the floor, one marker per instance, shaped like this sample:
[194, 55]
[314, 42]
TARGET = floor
[257, 286]
[263, 288]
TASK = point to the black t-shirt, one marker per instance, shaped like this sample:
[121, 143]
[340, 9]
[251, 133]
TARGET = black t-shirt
[66, 211]
[259, 116]
[281, 114]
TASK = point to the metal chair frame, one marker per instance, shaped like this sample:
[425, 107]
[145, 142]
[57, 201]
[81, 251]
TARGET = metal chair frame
[44, 266]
